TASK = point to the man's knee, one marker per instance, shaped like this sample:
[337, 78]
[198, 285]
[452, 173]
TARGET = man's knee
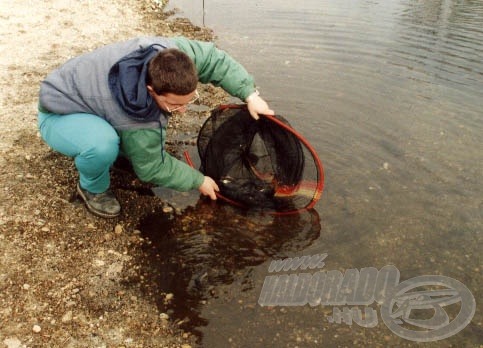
[103, 152]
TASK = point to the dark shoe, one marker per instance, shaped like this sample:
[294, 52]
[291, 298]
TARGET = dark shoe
[101, 204]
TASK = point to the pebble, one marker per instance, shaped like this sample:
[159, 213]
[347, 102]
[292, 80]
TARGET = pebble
[26, 286]
[185, 346]
[169, 297]
[118, 229]
[386, 165]
[36, 328]
[67, 317]
[164, 316]
[12, 342]
[167, 209]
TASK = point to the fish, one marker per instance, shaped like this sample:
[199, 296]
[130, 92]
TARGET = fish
[250, 192]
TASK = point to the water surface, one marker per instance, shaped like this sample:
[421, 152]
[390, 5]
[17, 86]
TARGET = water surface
[390, 93]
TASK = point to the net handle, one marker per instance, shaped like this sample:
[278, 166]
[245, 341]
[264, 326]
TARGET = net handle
[218, 195]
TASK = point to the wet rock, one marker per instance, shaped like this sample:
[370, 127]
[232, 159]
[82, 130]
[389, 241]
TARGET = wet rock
[168, 209]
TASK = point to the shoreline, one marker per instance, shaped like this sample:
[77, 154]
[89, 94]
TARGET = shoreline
[68, 278]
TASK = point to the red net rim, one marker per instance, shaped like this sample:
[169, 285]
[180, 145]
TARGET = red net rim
[319, 187]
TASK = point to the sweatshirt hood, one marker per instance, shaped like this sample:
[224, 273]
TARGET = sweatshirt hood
[127, 82]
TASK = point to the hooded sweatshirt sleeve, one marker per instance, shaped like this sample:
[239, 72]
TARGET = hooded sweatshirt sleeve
[217, 67]
[143, 148]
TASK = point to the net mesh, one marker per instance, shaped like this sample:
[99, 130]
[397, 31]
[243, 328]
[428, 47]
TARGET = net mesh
[259, 164]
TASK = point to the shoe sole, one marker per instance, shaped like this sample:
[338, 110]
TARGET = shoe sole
[91, 209]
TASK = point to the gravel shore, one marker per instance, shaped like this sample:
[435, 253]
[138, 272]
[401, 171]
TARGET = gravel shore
[68, 278]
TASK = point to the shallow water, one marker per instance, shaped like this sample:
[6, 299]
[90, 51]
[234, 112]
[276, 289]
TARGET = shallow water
[390, 93]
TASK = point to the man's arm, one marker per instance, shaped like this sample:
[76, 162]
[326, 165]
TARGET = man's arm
[143, 148]
[217, 67]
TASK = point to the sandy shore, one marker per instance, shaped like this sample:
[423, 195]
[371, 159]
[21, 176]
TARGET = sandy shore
[67, 278]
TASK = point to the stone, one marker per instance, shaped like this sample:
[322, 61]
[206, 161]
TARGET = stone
[13, 342]
[67, 317]
[36, 328]
[167, 209]
[118, 229]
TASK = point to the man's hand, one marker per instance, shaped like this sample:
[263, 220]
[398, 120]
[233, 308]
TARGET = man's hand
[256, 105]
[209, 187]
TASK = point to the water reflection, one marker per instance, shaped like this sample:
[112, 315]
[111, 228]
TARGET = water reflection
[191, 255]
[440, 40]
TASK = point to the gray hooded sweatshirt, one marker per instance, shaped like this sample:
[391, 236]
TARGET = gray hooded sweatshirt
[81, 85]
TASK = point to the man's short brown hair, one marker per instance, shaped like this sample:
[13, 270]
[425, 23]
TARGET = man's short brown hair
[172, 71]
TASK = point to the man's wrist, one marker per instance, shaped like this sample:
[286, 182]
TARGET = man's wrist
[251, 96]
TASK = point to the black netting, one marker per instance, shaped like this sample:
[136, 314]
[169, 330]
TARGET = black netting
[257, 163]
